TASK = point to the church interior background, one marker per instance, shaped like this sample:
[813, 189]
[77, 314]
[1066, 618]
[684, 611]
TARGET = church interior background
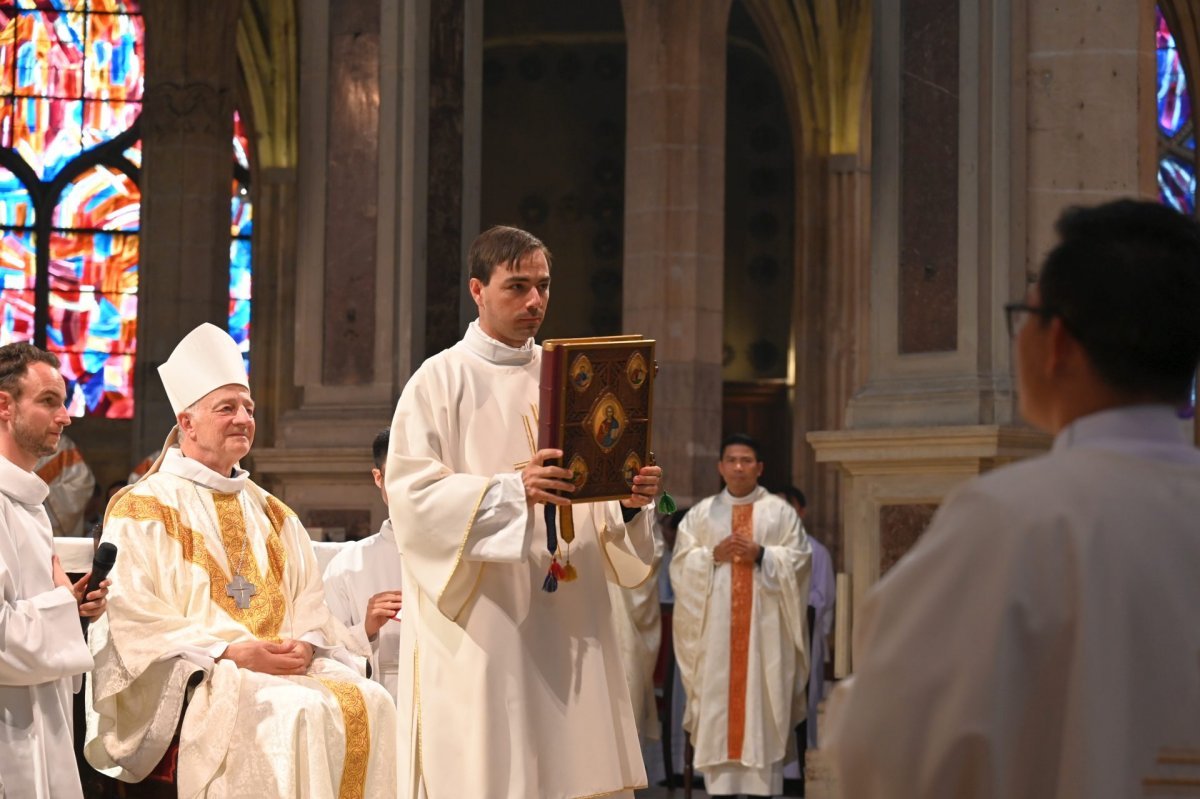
[817, 207]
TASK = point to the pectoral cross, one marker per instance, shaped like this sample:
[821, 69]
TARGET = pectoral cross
[241, 590]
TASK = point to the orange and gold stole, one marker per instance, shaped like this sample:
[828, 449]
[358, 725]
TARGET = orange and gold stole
[741, 601]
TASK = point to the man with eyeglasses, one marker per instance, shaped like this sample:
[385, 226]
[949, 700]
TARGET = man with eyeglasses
[1041, 640]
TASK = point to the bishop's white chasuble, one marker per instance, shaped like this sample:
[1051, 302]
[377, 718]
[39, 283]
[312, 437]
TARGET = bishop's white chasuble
[740, 639]
[506, 691]
[184, 535]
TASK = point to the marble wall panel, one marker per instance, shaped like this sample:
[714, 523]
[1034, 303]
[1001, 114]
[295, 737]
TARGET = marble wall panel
[352, 189]
[899, 528]
[929, 177]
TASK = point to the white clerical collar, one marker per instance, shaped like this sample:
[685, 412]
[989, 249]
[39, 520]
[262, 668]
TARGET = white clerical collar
[387, 533]
[1152, 431]
[25, 487]
[180, 465]
[753, 496]
[497, 352]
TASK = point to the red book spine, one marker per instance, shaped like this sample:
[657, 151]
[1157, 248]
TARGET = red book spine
[550, 399]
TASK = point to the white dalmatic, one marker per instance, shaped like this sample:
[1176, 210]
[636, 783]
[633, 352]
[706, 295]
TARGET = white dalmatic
[359, 571]
[637, 619]
[42, 651]
[740, 639]
[185, 534]
[505, 690]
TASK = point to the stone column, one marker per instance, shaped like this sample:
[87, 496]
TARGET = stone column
[187, 130]
[338, 295]
[383, 204]
[675, 223]
[1090, 81]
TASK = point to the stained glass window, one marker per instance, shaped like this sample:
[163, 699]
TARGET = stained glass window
[70, 96]
[239, 246]
[1176, 133]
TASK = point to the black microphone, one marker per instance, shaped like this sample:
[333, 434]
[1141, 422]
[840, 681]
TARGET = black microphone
[102, 563]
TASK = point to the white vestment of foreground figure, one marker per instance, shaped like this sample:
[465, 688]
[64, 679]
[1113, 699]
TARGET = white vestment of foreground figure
[180, 533]
[506, 692]
[742, 645]
[996, 659]
[41, 649]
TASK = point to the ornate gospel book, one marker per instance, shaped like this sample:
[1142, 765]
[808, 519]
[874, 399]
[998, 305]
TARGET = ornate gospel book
[595, 401]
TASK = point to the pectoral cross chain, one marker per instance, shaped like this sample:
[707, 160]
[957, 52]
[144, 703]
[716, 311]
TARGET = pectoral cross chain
[241, 590]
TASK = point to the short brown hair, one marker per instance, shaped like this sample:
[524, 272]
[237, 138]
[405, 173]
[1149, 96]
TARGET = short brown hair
[15, 360]
[501, 245]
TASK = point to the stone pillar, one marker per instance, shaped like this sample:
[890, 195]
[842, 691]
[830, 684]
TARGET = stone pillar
[454, 65]
[339, 373]
[187, 130]
[1091, 87]
[379, 236]
[675, 223]
[273, 342]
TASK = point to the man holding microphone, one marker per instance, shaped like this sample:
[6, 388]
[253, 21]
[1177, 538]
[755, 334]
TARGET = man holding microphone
[42, 647]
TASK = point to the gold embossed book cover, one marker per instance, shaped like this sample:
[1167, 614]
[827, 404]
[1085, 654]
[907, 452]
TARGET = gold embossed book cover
[595, 405]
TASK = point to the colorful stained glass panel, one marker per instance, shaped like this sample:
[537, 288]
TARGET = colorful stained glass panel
[8, 49]
[134, 154]
[50, 5]
[16, 207]
[103, 120]
[98, 384]
[18, 266]
[104, 262]
[45, 132]
[71, 78]
[49, 54]
[115, 61]
[241, 143]
[241, 228]
[115, 6]
[102, 198]
[93, 319]
[1177, 184]
[18, 271]
[241, 222]
[1174, 106]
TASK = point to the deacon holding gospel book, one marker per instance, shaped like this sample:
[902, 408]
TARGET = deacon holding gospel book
[515, 692]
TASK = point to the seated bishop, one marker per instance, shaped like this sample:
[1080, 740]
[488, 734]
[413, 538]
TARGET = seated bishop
[217, 625]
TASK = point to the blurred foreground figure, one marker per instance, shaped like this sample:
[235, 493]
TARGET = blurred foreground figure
[1040, 640]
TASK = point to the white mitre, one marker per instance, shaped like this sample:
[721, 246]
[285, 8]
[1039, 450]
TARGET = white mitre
[205, 360]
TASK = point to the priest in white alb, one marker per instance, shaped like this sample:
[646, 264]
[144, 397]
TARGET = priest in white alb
[362, 586]
[740, 573]
[506, 691]
[216, 580]
[42, 650]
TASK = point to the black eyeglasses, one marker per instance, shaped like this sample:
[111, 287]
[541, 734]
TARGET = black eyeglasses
[1015, 314]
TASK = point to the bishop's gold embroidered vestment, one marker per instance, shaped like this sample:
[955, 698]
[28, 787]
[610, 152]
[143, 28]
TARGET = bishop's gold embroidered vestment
[180, 534]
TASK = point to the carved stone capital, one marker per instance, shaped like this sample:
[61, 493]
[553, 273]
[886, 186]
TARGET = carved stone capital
[186, 108]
